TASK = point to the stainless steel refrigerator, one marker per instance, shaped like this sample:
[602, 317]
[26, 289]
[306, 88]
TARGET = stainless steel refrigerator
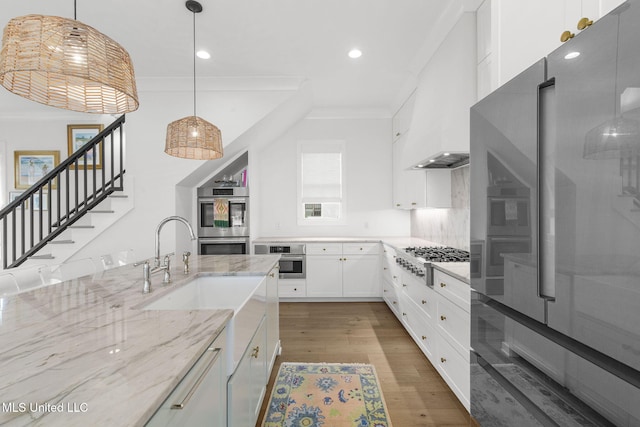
[555, 236]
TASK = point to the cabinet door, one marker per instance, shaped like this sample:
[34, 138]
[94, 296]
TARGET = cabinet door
[401, 121]
[324, 276]
[247, 385]
[360, 276]
[258, 358]
[273, 314]
[409, 186]
[207, 405]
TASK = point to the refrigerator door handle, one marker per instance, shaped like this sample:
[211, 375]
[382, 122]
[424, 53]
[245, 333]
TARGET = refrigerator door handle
[546, 134]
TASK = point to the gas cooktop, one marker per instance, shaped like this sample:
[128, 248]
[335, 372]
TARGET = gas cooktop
[438, 253]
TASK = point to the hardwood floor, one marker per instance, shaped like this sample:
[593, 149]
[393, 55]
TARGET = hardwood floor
[368, 332]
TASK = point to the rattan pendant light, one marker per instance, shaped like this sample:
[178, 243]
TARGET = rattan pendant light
[66, 64]
[193, 137]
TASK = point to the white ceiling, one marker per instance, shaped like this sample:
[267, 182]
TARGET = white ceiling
[303, 39]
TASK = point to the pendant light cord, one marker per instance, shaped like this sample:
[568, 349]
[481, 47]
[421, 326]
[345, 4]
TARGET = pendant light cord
[194, 64]
[74, 11]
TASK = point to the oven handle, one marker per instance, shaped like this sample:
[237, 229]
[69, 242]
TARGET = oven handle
[230, 200]
[218, 240]
[291, 257]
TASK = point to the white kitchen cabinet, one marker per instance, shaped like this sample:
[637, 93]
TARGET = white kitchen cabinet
[453, 325]
[273, 317]
[201, 396]
[247, 385]
[409, 186]
[292, 288]
[324, 275]
[348, 270]
[401, 121]
[438, 188]
[521, 32]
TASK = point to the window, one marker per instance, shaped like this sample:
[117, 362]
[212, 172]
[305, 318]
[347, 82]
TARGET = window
[321, 182]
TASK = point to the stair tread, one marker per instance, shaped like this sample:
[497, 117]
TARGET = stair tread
[82, 226]
[118, 196]
[101, 211]
[61, 242]
[44, 256]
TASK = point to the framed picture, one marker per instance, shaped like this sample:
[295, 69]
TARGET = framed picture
[40, 205]
[79, 135]
[14, 195]
[30, 166]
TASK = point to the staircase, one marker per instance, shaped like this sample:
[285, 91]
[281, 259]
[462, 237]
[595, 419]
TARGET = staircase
[80, 198]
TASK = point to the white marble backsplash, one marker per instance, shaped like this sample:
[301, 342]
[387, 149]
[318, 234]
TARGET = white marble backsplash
[447, 226]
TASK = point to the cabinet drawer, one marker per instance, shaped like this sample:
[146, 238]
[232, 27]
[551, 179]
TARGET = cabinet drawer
[292, 288]
[420, 328]
[452, 288]
[455, 370]
[360, 248]
[324, 248]
[421, 295]
[390, 296]
[454, 325]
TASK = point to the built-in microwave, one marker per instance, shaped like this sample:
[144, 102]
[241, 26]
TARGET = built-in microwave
[223, 212]
[292, 258]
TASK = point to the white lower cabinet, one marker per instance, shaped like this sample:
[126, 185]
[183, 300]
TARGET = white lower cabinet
[247, 385]
[200, 398]
[292, 288]
[454, 329]
[273, 317]
[437, 319]
[336, 270]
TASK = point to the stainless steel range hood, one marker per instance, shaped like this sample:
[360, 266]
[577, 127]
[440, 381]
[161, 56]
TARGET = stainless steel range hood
[444, 160]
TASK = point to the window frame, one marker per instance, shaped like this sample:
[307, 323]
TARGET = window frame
[321, 146]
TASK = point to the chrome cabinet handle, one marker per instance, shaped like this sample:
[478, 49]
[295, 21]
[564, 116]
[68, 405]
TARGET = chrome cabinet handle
[183, 402]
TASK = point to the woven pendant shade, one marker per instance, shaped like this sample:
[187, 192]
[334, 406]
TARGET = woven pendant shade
[193, 138]
[66, 64]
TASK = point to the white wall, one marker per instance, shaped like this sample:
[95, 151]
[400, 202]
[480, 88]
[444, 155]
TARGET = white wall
[368, 180]
[154, 172]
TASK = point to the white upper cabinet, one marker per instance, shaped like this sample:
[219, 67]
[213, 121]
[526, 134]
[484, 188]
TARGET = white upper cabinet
[514, 34]
[402, 119]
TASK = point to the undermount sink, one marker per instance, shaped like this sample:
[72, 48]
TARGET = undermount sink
[245, 295]
[209, 293]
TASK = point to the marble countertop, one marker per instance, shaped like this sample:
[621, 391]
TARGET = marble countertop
[82, 353]
[459, 270]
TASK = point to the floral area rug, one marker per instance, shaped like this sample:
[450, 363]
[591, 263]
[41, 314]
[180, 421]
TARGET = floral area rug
[326, 394]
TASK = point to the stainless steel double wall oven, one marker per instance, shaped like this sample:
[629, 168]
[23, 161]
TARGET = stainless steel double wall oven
[223, 220]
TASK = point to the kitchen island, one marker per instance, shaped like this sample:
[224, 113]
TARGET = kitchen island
[84, 352]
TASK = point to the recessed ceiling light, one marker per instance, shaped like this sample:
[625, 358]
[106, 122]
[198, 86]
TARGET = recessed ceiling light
[572, 55]
[431, 160]
[446, 154]
[355, 53]
[203, 54]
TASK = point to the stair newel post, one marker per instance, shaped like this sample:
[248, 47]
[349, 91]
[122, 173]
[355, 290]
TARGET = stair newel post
[59, 191]
[94, 172]
[50, 211]
[111, 161]
[13, 233]
[103, 187]
[22, 220]
[40, 216]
